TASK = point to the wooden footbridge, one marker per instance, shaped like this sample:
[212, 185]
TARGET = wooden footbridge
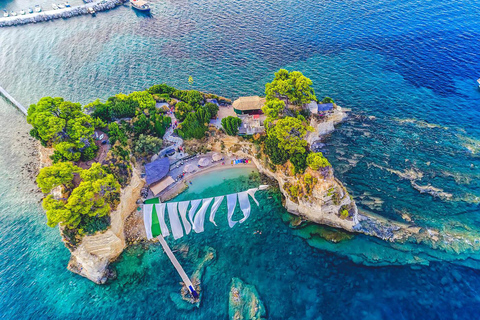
[12, 100]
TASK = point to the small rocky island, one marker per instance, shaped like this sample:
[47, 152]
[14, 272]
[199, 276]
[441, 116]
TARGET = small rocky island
[93, 161]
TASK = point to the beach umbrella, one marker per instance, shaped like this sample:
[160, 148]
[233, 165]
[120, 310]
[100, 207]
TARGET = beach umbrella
[217, 157]
[189, 168]
[204, 162]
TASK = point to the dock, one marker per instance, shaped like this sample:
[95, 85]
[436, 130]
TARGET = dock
[12, 100]
[88, 8]
[177, 266]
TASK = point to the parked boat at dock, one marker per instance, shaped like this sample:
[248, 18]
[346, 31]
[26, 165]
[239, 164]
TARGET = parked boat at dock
[140, 5]
[54, 6]
[13, 13]
[30, 10]
[22, 12]
[67, 5]
[5, 13]
[38, 8]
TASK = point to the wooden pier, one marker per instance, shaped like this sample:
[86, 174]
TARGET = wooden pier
[12, 100]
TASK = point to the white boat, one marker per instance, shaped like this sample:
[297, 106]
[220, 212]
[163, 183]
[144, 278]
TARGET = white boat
[91, 10]
[140, 5]
[5, 13]
[30, 10]
[22, 12]
[54, 6]
[67, 5]
[61, 6]
[38, 8]
[478, 81]
[13, 13]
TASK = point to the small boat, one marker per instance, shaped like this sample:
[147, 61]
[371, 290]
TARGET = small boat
[61, 6]
[91, 10]
[5, 13]
[67, 5]
[54, 6]
[140, 5]
[478, 81]
[22, 12]
[13, 13]
[30, 10]
[38, 8]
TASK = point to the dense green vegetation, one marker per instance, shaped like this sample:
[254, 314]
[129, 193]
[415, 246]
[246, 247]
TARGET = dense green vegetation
[63, 125]
[287, 127]
[94, 196]
[230, 125]
[293, 87]
[81, 199]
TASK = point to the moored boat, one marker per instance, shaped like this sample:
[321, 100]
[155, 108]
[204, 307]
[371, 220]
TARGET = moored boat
[91, 10]
[5, 13]
[22, 12]
[140, 5]
[54, 6]
[30, 10]
[13, 13]
[38, 8]
[478, 81]
[61, 6]
[67, 5]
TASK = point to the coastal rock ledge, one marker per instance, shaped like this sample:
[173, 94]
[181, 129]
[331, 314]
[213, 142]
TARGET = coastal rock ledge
[91, 259]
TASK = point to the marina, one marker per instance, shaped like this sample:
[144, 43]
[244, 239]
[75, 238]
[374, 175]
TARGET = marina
[64, 11]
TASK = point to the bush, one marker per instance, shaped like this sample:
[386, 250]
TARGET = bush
[212, 108]
[161, 89]
[299, 161]
[182, 110]
[276, 155]
[316, 161]
[328, 100]
[195, 125]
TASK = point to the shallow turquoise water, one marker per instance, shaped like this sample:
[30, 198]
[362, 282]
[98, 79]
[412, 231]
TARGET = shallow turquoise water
[394, 60]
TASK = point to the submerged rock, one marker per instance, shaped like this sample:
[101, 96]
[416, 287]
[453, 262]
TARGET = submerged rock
[244, 302]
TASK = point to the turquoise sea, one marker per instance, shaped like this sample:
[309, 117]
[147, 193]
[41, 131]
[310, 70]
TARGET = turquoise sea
[409, 151]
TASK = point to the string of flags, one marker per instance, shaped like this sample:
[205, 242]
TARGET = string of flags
[185, 216]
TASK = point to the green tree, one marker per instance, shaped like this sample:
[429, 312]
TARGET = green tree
[56, 175]
[116, 133]
[122, 106]
[94, 197]
[273, 108]
[161, 89]
[299, 161]
[182, 109]
[141, 124]
[100, 110]
[147, 145]
[328, 100]
[195, 125]
[212, 108]
[290, 133]
[293, 86]
[144, 100]
[230, 125]
[317, 160]
[161, 124]
[277, 156]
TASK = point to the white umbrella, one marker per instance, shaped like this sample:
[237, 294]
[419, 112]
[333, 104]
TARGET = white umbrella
[204, 162]
[217, 157]
[189, 168]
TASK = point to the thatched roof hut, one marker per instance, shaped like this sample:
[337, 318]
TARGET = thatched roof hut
[248, 104]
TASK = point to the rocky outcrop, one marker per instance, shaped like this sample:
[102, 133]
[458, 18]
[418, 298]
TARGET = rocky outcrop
[325, 125]
[244, 302]
[92, 257]
[325, 203]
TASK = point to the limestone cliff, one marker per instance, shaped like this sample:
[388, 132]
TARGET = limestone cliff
[94, 254]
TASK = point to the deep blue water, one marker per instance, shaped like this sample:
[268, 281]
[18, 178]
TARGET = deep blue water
[408, 71]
